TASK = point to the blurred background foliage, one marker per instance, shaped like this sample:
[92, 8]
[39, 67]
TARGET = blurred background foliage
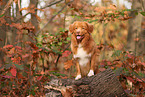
[35, 42]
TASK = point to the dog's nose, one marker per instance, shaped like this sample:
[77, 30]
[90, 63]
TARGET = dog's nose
[78, 33]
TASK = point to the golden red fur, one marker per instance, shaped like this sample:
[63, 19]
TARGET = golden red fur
[83, 48]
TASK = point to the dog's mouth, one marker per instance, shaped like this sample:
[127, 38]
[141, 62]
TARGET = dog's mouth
[80, 37]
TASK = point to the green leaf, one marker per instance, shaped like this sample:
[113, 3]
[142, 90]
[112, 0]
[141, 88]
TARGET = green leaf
[60, 43]
[65, 41]
[21, 67]
[39, 45]
[56, 51]
[128, 10]
[71, 9]
[143, 13]
[2, 15]
[116, 53]
[68, 38]
[136, 13]
[32, 92]
[62, 29]
[59, 74]
[86, 19]
[117, 17]
[93, 20]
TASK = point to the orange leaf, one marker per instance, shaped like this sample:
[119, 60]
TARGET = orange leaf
[136, 39]
[12, 51]
[13, 71]
[68, 64]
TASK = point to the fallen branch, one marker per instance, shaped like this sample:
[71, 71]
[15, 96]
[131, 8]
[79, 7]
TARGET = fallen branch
[104, 84]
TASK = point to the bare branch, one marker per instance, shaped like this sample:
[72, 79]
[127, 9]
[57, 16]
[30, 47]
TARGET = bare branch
[143, 7]
[53, 17]
[52, 4]
[22, 17]
[6, 6]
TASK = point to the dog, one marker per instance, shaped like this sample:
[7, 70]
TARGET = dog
[84, 48]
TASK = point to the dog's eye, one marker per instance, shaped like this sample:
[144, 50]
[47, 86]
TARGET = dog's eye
[83, 28]
[76, 28]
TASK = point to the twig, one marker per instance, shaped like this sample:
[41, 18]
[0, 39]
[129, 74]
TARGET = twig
[143, 7]
[60, 56]
[52, 4]
[22, 17]
[133, 72]
[6, 6]
[52, 18]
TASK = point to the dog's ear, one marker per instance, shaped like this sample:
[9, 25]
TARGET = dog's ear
[91, 28]
[71, 28]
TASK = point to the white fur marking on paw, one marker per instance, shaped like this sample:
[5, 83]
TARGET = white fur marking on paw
[91, 73]
[78, 77]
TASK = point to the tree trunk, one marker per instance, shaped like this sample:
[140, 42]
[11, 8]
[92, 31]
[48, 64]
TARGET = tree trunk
[4, 29]
[104, 84]
[135, 39]
[34, 21]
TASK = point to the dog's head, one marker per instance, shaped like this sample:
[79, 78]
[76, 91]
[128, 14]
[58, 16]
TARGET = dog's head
[80, 29]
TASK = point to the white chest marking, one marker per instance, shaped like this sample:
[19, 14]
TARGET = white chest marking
[82, 55]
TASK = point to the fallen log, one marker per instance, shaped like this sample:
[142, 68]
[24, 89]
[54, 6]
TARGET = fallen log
[104, 84]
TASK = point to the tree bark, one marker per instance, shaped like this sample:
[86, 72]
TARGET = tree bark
[104, 84]
[4, 29]
[135, 39]
[34, 15]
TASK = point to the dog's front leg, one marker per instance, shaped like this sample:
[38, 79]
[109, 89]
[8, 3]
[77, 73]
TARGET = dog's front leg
[93, 62]
[78, 71]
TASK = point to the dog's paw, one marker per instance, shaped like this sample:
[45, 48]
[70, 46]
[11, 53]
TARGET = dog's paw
[78, 77]
[91, 73]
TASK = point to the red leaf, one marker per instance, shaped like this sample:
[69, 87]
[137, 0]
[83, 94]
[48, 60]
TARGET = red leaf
[66, 53]
[139, 80]
[25, 56]
[130, 79]
[13, 71]
[18, 47]
[6, 76]
[39, 78]
[8, 46]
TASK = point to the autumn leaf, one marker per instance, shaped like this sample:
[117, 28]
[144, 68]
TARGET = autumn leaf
[12, 51]
[130, 79]
[68, 64]
[136, 39]
[13, 71]
[66, 53]
[18, 47]
[8, 46]
[39, 78]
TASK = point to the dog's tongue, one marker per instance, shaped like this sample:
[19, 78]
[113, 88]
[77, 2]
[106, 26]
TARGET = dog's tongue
[78, 37]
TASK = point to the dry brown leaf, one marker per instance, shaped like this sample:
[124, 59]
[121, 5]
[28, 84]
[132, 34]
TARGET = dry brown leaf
[68, 64]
